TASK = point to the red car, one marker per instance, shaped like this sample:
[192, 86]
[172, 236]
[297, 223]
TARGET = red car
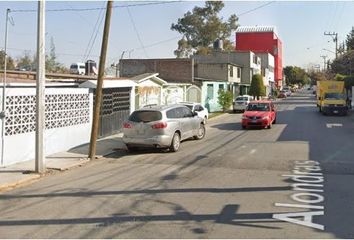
[259, 114]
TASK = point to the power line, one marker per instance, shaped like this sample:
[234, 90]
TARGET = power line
[150, 45]
[256, 8]
[58, 53]
[92, 40]
[94, 9]
[137, 33]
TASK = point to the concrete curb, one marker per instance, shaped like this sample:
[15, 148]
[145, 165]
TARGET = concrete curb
[216, 117]
[18, 183]
[74, 165]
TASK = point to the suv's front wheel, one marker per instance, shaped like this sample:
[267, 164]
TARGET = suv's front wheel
[201, 132]
[176, 142]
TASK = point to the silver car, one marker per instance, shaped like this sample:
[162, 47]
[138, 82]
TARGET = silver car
[162, 127]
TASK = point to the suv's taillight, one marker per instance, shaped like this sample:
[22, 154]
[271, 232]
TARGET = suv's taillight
[159, 125]
[127, 125]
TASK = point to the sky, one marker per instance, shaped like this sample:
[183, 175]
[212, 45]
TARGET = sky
[144, 31]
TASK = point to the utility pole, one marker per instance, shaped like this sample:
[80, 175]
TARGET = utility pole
[324, 62]
[334, 36]
[3, 109]
[40, 89]
[96, 114]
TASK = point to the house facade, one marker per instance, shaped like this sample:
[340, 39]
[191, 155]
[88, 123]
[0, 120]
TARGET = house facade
[267, 71]
[215, 76]
[148, 89]
[246, 60]
[177, 73]
[262, 39]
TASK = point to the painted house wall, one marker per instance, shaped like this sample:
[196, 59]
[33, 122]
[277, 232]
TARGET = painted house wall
[178, 70]
[218, 71]
[235, 77]
[147, 92]
[267, 64]
[244, 59]
[210, 95]
[173, 94]
[68, 122]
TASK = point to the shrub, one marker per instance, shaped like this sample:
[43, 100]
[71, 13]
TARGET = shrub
[225, 99]
[257, 88]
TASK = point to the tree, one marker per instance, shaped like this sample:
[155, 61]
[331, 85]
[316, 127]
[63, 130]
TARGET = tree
[348, 82]
[344, 64]
[225, 99]
[317, 76]
[295, 75]
[350, 40]
[257, 88]
[26, 61]
[51, 63]
[201, 27]
[10, 65]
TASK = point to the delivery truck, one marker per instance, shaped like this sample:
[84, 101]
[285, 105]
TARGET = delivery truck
[331, 97]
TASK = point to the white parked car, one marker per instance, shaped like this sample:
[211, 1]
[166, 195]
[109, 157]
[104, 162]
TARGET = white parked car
[198, 108]
[241, 103]
[78, 68]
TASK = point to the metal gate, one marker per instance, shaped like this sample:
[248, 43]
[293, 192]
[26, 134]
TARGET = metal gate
[194, 94]
[115, 110]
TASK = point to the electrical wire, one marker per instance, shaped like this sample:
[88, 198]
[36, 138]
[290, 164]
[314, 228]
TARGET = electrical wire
[34, 51]
[91, 42]
[94, 39]
[94, 9]
[256, 8]
[137, 33]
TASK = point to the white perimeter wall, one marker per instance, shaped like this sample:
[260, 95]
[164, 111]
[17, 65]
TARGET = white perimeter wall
[21, 147]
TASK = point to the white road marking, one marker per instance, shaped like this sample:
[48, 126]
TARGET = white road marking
[330, 125]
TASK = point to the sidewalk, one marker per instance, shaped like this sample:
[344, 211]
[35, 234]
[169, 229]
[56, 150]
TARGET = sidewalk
[23, 173]
[20, 174]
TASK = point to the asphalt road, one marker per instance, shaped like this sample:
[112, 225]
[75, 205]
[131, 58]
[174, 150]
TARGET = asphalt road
[228, 185]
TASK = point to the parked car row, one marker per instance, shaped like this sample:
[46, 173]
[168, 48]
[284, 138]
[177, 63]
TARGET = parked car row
[166, 126]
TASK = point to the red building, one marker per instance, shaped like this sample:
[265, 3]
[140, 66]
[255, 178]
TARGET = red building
[262, 39]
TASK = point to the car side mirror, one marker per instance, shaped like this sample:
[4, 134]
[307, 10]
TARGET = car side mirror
[195, 114]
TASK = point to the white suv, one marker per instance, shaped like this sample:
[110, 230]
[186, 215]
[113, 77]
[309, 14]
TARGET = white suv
[198, 108]
[241, 103]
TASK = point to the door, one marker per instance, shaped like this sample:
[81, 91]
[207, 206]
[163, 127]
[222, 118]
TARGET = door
[189, 123]
[115, 109]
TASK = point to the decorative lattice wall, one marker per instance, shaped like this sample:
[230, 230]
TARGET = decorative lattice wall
[61, 110]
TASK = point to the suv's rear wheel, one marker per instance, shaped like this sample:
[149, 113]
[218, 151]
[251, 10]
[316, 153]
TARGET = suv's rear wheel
[201, 132]
[176, 142]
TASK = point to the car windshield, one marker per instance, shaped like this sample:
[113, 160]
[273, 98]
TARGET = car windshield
[263, 107]
[334, 96]
[241, 98]
[145, 116]
[189, 106]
